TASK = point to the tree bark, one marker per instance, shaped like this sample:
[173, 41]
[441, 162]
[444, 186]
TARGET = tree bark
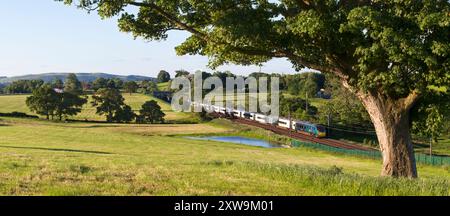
[391, 120]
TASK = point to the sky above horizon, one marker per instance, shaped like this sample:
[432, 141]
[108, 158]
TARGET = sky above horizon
[47, 36]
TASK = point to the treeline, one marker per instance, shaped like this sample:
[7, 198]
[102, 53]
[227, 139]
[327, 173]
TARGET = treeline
[297, 92]
[58, 100]
[307, 83]
[21, 86]
[28, 86]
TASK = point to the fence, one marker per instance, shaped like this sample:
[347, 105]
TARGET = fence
[420, 158]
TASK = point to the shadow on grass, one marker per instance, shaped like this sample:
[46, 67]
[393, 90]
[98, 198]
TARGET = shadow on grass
[93, 126]
[55, 149]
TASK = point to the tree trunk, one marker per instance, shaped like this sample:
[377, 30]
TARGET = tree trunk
[391, 120]
[109, 117]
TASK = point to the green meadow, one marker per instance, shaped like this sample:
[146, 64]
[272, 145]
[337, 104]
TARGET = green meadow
[11, 103]
[39, 157]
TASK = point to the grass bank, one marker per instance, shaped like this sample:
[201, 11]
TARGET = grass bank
[45, 158]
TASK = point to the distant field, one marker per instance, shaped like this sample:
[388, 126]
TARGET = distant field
[317, 102]
[38, 157]
[11, 103]
[163, 86]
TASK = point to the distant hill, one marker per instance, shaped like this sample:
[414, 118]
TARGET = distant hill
[86, 77]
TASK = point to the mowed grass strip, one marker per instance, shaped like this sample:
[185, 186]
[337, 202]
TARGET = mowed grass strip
[44, 158]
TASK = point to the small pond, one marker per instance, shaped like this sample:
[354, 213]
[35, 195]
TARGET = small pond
[239, 140]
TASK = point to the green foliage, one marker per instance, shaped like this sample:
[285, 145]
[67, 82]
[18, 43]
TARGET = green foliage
[124, 114]
[297, 108]
[308, 83]
[151, 113]
[110, 102]
[46, 101]
[399, 49]
[73, 85]
[181, 73]
[343, 108]
[163, 76]
[69, 104]
[391, 47]
[57, 83]
[432, 114]
[147, 87]
[23, 86]
[99, 83]
[386, 51]
[118, 83]
[43, 101]
[130, 87]
[107, 83]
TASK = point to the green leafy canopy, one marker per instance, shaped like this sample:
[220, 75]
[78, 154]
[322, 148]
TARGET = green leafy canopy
[392, 47]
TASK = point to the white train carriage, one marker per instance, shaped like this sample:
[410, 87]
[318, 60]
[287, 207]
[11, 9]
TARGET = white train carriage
[284, 123]
[208, 108]
[229, 111]
[294, 125]
[248, 115]
[272, 120]
[222, 110]
[260, 118]
[215, 108]
[238, 113]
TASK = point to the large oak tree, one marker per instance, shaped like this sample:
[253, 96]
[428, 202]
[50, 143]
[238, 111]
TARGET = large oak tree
[387, 52]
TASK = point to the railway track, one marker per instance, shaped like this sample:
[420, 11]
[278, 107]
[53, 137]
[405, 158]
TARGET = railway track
[299, 136]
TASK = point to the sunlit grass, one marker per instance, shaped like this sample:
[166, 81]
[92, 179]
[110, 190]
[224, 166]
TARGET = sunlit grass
[38, 157]
[16, 103]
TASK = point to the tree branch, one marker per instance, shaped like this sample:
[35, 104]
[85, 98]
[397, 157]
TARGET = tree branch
[411, 99]
[275, 53]
[170, 18]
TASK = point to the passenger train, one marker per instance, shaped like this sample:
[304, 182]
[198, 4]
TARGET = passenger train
[303, 126]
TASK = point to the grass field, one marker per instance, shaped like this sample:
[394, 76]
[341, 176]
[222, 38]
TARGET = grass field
[46, 158]
[163, 86]
[11, 103]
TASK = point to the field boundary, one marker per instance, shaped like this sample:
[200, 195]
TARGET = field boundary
[420, 158]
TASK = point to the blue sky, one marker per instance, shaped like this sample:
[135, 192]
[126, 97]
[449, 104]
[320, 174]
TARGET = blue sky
[40, 36]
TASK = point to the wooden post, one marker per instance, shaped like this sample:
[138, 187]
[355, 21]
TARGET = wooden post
[306, 102]
[290, 122]
[431, 150]
[329, 123]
